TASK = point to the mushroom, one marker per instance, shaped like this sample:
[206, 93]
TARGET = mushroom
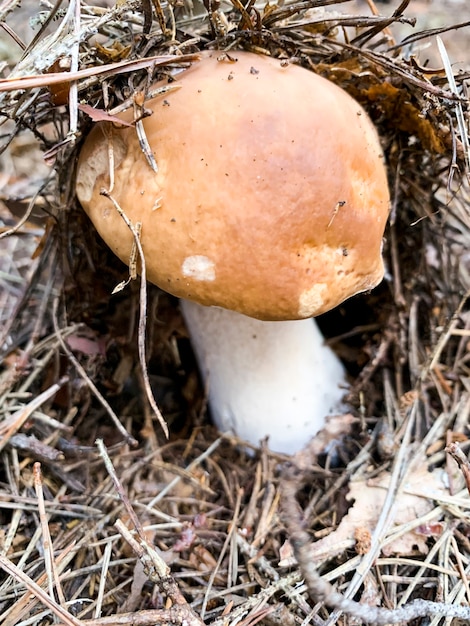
[266, 206]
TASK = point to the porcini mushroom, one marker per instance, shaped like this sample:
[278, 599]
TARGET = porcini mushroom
[270, 202]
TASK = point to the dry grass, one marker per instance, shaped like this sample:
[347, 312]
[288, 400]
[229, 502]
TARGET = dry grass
[70, 373]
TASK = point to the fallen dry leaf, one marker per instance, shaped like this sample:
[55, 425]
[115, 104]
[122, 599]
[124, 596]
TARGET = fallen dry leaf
[412, 502]
[100, 115]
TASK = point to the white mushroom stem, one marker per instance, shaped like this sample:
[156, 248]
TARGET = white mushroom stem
[265, 378]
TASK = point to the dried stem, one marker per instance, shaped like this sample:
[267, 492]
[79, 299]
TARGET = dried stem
[154, 565]
[142, 313]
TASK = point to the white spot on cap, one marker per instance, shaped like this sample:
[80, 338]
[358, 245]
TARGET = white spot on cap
[312, 300]
[199, 267]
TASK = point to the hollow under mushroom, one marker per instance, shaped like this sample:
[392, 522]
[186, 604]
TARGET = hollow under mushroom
[267, 208]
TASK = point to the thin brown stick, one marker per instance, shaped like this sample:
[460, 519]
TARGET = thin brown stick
[154, 566]
[13, 424]
[54, 78]
[142, 313]
[51, 570]
[11, 569]
[161, 617]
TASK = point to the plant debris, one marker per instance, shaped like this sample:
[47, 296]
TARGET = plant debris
[200, 528]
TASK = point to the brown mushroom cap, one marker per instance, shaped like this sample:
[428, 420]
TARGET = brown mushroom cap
[270, 198]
